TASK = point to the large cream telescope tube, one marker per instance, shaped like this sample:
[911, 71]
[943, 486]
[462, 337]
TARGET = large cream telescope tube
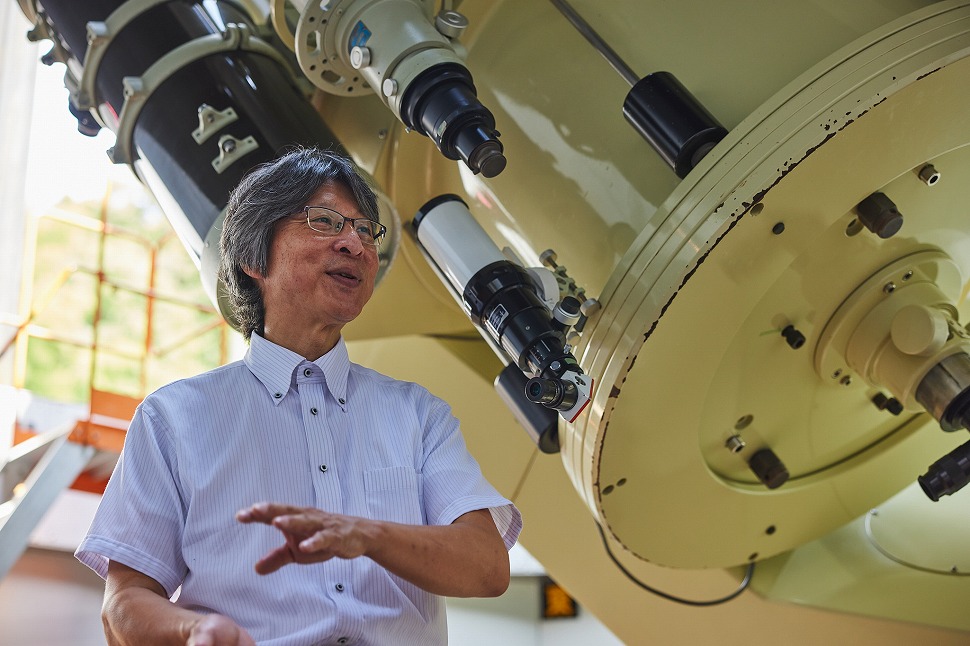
[696, 278]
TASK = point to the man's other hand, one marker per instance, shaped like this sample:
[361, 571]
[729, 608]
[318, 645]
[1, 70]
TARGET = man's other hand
[217, 630]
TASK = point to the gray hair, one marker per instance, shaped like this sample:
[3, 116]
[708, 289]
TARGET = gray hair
[268, 193]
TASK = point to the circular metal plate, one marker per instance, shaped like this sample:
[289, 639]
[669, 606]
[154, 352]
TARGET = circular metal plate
[688, 344]
[316, 51]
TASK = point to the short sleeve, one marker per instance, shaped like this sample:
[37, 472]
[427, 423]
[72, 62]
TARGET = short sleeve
[453, 483]
[141, 517]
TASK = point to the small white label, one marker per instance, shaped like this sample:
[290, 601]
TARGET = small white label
[496, 318]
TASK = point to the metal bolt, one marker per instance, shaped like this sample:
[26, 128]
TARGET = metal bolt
[771, 471]
[228, 146]
[450, 23]
[889, 287]
[929, 175]
[589, 307]
[908, 275]
[382, 134]
[389, 87]
[734, 444]
[879, 214]
[845, 381]
[359, 57]
[548, 258]
[837, 373]
[793, 337]
[779, 228]
[890, 404]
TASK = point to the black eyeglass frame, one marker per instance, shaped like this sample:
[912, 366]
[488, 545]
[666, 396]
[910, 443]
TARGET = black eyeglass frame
[378, 237]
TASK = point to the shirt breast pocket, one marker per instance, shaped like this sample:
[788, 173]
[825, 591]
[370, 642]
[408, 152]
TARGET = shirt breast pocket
[394, 494]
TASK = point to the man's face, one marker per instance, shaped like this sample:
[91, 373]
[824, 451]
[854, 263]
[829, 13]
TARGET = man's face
[313, 280]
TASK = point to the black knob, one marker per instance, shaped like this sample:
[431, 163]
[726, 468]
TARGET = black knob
[771, 471]
[879, 214]
[794, 338]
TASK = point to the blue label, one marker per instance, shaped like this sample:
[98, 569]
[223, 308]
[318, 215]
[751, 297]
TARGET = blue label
[359, 36]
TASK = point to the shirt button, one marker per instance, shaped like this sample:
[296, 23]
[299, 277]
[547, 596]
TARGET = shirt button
[342, 402]
[277, 395]
[339, 587]
[313, 411]
[323, 468]
[342, 640]
[307, 372]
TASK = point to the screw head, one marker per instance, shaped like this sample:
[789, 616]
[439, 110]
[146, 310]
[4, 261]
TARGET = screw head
[929, 175]
[734, 444]
[359, 57]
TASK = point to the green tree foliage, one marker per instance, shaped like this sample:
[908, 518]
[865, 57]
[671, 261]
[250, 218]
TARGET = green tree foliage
[181, 333]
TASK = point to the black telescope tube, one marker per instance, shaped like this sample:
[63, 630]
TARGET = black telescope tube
[675, 123]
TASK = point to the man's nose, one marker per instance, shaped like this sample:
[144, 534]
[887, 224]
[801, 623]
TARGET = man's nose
[347, 241]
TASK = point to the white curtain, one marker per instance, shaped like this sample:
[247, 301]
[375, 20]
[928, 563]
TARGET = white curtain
[18, 69]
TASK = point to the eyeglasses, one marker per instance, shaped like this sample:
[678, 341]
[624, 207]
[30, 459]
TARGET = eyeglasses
[330, 223]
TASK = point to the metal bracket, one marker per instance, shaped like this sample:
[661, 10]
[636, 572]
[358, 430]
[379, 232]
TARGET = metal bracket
[231, 149]
[137, 89]
[44, 31]
[212, 121]
[100, 35]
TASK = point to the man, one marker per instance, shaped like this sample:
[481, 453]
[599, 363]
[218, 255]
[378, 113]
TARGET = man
[372, 507]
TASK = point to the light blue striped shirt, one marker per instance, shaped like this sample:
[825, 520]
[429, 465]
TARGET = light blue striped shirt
[328, 434]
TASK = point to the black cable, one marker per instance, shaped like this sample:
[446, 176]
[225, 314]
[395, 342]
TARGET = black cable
[688, 602]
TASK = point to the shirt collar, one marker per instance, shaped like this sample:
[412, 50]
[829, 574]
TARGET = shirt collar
[275, 365]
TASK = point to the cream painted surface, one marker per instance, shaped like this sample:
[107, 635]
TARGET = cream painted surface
[581, 181]
[810, 169]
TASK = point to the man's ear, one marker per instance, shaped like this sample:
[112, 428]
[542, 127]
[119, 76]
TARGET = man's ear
[252, 273]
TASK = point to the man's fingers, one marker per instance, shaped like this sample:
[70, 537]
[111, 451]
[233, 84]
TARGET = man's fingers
[265, 512]
[275, 560]
[299, 524]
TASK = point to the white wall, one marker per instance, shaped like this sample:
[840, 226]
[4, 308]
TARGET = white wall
[514, 620]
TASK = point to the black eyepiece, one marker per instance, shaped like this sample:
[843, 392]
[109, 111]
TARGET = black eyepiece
[441, 103]
[552, 393]
[947, 475]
